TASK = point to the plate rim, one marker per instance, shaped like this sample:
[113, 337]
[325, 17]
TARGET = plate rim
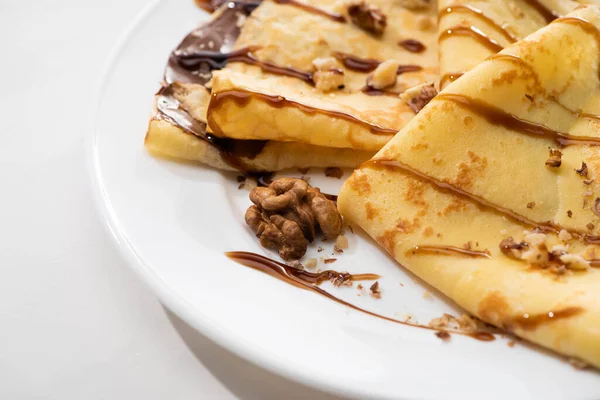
[168, 297]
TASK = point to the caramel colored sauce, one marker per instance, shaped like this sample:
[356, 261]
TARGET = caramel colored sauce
[497, 116]
[475, 33]
[412, 45]
[548, 14]
[381, 163]
[480, 15]
[314, 10]
[242, 98]
[449, 250]
[310, 281]
[231, 150]
[530, 322]
[449, 78]
[357, 64]
[371, 91]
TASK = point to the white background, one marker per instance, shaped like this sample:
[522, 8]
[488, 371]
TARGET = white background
[75, 323]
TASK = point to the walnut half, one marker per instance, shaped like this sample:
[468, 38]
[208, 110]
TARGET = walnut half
[368, 17]
[287, 215]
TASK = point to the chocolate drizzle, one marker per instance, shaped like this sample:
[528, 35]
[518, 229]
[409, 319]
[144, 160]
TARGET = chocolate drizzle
[381, 163]
[241, 98]
[449, 250]
[548, 14]
[497, 116]
[314, 10]
[480, 15]
[359, 64]
[530, 322]
[412, 45]
[309, 281]
[475, 33]
[191, 61]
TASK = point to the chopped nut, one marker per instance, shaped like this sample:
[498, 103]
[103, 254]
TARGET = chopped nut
[320, 249]
[329, 260]
[415, 4]
[418, 96]
[531, 204]
[368, 17]
[375, 291]
[341, 242]
[575, 261]
[464, 323]
[583, 171]
[385, 75]
[564, 235]
[325, 63]
[334, 172]
[569, 213]
[513, 249]
[296, 264]
[360, 286]
[341, 279]
[445, 336]
[310, 263]
[287, 214]
[328, 80]
[554, 158]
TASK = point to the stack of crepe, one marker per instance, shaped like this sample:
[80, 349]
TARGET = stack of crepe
[261, 110]
[491, 193]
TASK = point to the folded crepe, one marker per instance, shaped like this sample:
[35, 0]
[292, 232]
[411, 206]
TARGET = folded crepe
[490, 193]
[178, 129]
[307, 71]
[472, 30]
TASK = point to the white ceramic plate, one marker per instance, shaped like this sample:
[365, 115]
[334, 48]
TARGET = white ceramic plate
[174, 222]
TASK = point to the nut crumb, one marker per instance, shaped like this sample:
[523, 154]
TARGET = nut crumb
[360, 286]
[445, 336]
[368, 17]
[334, 172]
[375, 291]
[554, 158]
[531, 204]
[311, 263]
[569, 213]
[341, 242]
[417, 97]
[583, 171]
[320, 249]
[330, 260]
[511, 343]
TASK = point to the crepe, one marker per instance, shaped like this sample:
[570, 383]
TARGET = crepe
[271, 94]
[468, 197]
[472, 30]
[178, 129]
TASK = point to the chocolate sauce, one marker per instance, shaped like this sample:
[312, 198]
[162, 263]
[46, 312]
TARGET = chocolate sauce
[412, 45]
[242, 98]
[371, 91]
[449, 250]
[548, 14]
[231, 150]
[381, 163]
[530, 322]
[475, 33]
[359, 64]
[191, 61]
[497, 116]
[479, 14]
[449, 78]
[309, 281]
[314, 10]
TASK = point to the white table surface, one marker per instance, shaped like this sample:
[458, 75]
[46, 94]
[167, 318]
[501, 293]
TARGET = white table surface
[75, 323]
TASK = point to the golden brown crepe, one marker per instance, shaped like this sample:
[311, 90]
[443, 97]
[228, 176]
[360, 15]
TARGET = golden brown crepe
[252, 102]
[472, 30]
[469, 198]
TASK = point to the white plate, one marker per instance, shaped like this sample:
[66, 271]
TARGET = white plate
[173, 222]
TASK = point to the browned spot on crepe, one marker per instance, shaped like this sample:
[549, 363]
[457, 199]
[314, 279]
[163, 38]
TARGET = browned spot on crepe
[494, 308]
[360, 183]
[371, 211]
[469, 170]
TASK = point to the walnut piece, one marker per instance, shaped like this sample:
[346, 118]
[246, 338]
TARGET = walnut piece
[414, 4]
[418, 96]
[583, 171]
[287, 215]
[375, 291]
[385, 75]
[554, 158]
[368, 17]
[328, 75]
